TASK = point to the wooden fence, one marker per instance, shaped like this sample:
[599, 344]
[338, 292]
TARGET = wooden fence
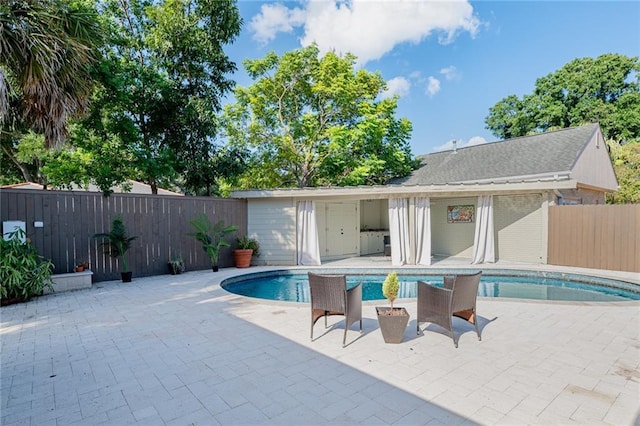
[595, 236]
[161, 222]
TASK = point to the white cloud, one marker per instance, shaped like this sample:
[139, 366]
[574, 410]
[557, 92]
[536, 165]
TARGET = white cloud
[450, 73]
[476, 140]
[273, 19]
[397, 86]
[433, 85]
[368, 29]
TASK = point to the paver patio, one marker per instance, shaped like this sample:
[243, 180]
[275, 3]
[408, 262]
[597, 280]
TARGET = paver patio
[179, 350]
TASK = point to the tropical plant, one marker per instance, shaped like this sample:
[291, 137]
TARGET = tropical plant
[390, 287]
[47, 49]
[246, 243]
[23, 272]
[117, 242]
[212, 237]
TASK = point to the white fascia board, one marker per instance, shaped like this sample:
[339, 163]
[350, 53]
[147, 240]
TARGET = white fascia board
[389, 191]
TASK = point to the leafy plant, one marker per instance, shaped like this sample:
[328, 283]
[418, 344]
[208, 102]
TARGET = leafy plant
[23, 272]
[247, 243]
[211, 236]
[390, 287]
[117, 241]
[177, 264]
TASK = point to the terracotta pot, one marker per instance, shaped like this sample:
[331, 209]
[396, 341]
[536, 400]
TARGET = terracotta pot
[242, 257]
[79, 268]
[392, 323]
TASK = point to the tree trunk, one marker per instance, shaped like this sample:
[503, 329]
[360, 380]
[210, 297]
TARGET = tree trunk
[25, 172]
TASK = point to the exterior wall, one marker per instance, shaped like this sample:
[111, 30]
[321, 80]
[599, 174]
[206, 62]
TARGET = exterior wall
[593, 167]
[273, 223]
[451, 239]
[581, 196]
[520, 228]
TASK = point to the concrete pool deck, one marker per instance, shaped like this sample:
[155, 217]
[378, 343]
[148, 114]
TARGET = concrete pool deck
[179, 350]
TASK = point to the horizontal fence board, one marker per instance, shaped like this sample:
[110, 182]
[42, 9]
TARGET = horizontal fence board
[595, 236]
[160, 222]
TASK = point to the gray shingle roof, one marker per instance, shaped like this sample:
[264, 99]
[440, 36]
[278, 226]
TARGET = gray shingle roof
[544, 154]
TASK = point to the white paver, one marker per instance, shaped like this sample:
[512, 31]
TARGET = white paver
[181, 350]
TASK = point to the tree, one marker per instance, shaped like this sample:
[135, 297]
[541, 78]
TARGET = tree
[313, 121]
[605, 90]
[46, 50]
[163, 77]
[626, 163]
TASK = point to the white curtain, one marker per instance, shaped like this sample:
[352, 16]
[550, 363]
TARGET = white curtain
[483, 250]
[399, 231]
[423, 231]
[307, 234]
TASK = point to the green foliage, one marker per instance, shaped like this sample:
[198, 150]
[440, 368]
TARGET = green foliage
[605, 90]
[247, 243]
[316, 121]
[626, 163]
[47, 50]
[117, 242]
[390, 287]
[177, 264]
[212, 237]
[23, 272]
[162, 79]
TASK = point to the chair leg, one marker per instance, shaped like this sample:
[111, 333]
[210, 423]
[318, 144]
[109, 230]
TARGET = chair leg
[475, 323]
[325, 319]
[360, 325]
[344, 339]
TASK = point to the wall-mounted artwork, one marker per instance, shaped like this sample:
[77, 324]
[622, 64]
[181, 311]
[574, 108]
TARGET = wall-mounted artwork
[460, 214]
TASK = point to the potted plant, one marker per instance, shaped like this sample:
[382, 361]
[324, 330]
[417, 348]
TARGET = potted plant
[393, 321]
[24, 273]
[116, 244]
[81, 266]
[212, 237]
[246, 249]
[176, 264]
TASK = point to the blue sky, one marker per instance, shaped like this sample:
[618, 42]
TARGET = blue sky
[449, 61]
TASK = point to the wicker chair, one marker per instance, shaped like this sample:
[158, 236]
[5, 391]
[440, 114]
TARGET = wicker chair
[457, 298]
[329, 296]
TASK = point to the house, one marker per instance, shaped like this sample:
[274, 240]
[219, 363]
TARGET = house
[136, 188]
[485, 202]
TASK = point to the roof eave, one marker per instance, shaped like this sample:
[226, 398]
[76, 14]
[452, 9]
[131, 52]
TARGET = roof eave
[386, 191]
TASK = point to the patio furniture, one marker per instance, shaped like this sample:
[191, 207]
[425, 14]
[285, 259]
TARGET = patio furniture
[457, 298]
[329, 296]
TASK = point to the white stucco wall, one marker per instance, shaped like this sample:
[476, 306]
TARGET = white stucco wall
[519, 227]
[451, 239]
[273, 223]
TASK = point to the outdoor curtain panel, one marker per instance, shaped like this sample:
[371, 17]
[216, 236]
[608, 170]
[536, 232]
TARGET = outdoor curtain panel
[483, 250]
[423, 231]
[399, 231]
[307, 234]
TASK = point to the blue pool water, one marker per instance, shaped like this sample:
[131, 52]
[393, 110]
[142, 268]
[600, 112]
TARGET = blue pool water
[293, 286]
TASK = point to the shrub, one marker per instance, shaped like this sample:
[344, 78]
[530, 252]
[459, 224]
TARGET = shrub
[23, 272]
[390, 287]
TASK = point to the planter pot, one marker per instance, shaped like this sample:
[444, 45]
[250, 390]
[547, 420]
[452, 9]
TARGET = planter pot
[242, 257]
[79, 268]
[215, 268]
[393, 323]
[126, 276]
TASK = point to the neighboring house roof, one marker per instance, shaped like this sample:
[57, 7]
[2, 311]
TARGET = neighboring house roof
[571, 158]
[136, 188]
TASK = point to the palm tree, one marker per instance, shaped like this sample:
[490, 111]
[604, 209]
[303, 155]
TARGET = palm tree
[46, 49]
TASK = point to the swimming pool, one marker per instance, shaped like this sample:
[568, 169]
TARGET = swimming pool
[293, 285]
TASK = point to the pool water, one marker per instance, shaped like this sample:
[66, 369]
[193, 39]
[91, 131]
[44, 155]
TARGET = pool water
[294, 287]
